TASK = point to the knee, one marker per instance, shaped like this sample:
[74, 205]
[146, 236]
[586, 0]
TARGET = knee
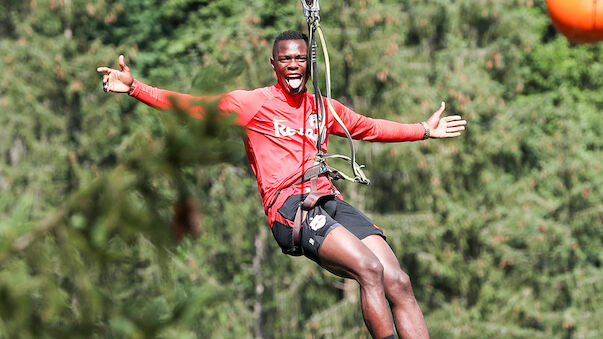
[370, 271]
[398, 282]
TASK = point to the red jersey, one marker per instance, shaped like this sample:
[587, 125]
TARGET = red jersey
[281, 134]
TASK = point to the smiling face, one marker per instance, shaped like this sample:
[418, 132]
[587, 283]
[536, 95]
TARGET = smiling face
[289, 62]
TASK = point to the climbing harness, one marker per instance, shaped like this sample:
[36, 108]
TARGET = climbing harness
[312, 13]
[311, 10]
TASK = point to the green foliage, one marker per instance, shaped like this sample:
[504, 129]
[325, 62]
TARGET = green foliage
[500, 230]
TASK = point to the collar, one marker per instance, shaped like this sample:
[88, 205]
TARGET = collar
[292, 100]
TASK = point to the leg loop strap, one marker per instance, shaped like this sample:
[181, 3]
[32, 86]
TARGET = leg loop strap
[302, 211]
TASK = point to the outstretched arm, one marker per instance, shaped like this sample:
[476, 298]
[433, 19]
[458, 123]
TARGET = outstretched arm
[122, 81]
[369, 129]
[244, 103]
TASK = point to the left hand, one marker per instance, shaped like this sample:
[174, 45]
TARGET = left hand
[446, 127]
[118, 81]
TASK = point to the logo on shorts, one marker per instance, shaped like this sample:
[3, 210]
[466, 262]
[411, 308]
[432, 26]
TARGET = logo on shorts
[318, 222]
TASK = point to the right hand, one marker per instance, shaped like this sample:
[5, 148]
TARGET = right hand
[115, 80]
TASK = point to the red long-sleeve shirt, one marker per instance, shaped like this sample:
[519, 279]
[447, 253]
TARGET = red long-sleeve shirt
[281, 132]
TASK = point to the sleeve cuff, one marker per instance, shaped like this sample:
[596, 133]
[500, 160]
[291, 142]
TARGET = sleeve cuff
[135, 88]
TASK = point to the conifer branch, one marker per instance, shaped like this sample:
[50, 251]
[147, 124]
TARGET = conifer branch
[23, 242]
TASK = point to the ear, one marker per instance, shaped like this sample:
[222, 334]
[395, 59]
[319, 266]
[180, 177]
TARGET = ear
[272, 63]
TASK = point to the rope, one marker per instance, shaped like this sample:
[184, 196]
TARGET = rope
[311, 11]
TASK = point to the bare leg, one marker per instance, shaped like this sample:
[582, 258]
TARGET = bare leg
[407, 313]
[345, 255]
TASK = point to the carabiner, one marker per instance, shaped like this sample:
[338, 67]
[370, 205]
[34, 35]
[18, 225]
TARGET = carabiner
[311, 10]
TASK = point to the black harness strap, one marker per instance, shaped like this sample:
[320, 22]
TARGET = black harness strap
[302, 211]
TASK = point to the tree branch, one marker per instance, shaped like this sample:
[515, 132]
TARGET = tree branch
[23, 242]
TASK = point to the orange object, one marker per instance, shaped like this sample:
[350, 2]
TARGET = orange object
[581, 21]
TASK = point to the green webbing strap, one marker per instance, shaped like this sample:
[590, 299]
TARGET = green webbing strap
[311, 11]
[358, 177]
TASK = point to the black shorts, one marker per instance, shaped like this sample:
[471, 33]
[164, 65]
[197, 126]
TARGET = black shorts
[327, 214]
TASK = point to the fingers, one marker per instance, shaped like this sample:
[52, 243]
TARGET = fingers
[122, 63]
[107, 80]
[105, 70]
[434, 119]
[442, 107]
[446, 127]
[439, 112]
[106, 83]
[450, 127]
[451, 118]
[454, 120]
[111, 73]
[453, 123]
[455, 129]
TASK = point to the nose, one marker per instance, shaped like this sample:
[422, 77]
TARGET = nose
[293, 64]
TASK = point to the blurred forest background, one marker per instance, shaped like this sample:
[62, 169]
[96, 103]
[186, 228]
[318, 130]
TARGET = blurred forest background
[500, 230]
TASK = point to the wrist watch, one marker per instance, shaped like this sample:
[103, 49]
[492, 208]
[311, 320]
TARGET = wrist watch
[427, 131]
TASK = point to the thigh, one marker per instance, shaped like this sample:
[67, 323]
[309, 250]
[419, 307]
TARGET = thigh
[343, 254]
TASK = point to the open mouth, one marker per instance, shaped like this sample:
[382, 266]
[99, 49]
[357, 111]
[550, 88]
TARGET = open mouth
[294, 81]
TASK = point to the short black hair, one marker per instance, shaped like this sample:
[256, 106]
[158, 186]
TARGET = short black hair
[288, 35]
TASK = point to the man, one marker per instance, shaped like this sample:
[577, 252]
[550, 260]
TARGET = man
[281, 132]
